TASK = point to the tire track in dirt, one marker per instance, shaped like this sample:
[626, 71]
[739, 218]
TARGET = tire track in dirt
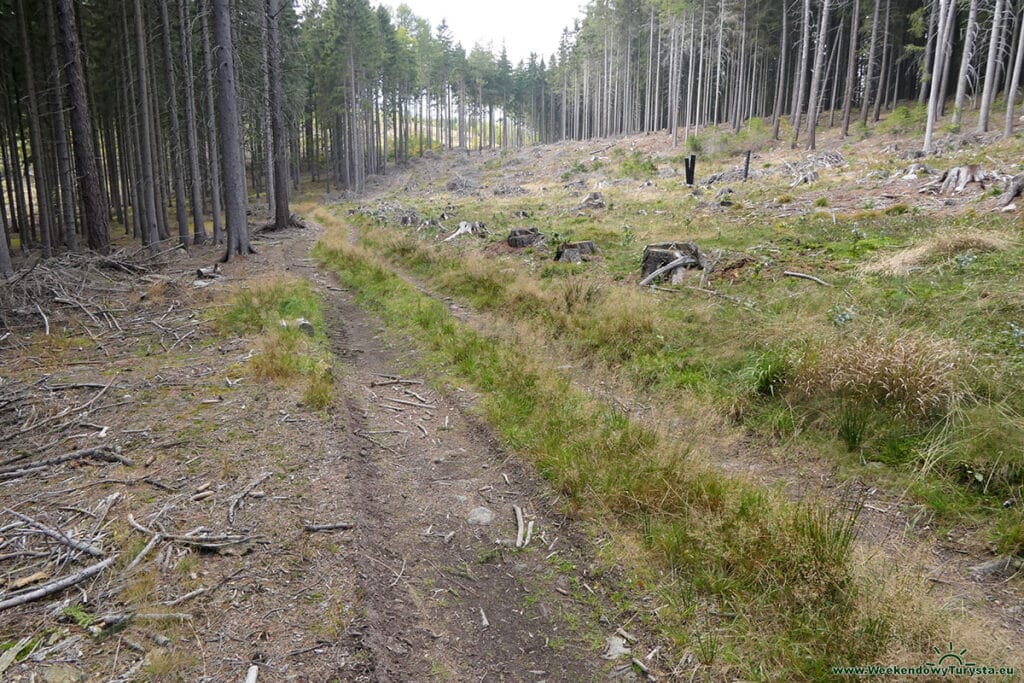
[425, 577]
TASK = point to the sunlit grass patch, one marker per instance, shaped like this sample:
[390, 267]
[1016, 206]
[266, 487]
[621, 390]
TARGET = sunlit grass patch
[785, 570]
[288, 349]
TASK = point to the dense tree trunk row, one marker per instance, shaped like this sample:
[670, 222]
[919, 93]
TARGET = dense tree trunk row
[152, 113]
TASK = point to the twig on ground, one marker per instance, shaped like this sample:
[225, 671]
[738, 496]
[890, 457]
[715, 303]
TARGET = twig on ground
[338, 526]
[145, 551]
[57, 535]
[246, 491]
[106, 453]
[805, 276]
[520, 526]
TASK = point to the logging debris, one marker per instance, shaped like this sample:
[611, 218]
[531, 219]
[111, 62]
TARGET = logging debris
[669, 257]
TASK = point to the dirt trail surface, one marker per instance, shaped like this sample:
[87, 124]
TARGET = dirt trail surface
[351, 553]
[446, 593]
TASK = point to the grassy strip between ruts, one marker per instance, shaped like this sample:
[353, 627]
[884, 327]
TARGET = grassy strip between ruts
[286, 352]
[797, 599]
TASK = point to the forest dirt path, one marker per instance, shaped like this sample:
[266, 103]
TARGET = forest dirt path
[408, 590]
[441, 596]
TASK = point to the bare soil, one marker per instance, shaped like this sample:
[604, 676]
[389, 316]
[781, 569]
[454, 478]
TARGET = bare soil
[409, 590]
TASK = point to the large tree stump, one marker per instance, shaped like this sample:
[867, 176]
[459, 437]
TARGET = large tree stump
[956, 180]
[1013, 188]
[659, 255]
[594, 200]
[576, 252]
[524, 237]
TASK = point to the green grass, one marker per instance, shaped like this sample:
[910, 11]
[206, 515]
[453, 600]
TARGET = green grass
[685, 347]
[285, 352]
[785, 568]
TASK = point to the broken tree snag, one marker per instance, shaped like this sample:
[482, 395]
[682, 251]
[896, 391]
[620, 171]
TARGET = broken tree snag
[690, 168]
[576, 252]
[956, 180]
[1013, 189]
[524, 237]
[669, 257]
[468, 228]
[594, 200]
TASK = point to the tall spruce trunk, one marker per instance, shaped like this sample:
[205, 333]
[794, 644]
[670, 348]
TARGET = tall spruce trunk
[66, 184]
[1011, 91]
[780, 83]
[870, 71]
[177, 160]
[229, 134]
[282, 212]
[191, 133]
[212, 138]
[42, 189]
[816, 74]
[94, 207]
[965, 62]
[988, 93]
[805, 40]
[150, 233]
[851, 68]
[946, 19]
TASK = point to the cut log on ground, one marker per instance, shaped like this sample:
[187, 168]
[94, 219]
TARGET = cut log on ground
[524, 237]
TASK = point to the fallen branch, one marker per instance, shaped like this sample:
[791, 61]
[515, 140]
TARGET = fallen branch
[248, 489]
[46, 321]
[106, 453]
[671, 265]
[520, 526]
[339, 526]
[57, 535]
[194, 538]
[805, 276]
[182, 598]
[58, 585]
[145, 551]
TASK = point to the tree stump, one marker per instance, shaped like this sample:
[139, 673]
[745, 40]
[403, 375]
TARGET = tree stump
[524, 237]
[576, 252]
[1013, 188]
[664, 253]
[594, 200]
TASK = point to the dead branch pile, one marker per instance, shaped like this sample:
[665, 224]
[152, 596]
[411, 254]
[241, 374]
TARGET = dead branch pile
[391, 213]
[460, 185]
[508, 190]
[75, 282]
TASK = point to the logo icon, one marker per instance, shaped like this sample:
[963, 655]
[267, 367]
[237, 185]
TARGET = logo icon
[950, 658]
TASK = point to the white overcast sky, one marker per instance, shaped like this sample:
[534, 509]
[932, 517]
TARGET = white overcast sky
[524, 25]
